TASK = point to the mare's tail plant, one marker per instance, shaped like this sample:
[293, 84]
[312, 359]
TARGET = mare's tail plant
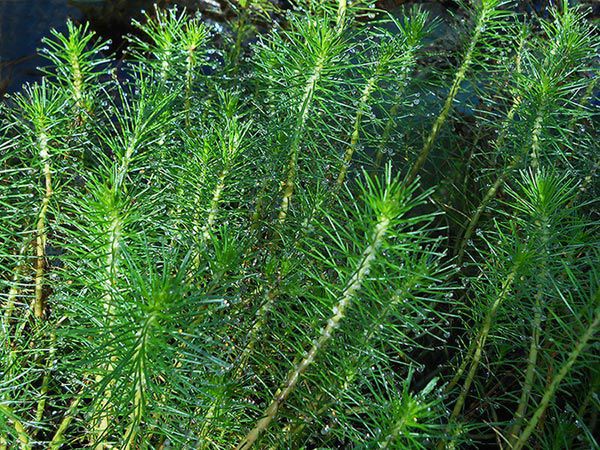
[211, 243]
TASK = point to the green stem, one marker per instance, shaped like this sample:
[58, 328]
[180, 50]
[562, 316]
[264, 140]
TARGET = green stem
[551, 389]
[341, 14]
[350, 290]
[362, 105]
[214, 204]
[15, 289]
[481, 339]
[188, 86]
[41, 406]
[448, 104]
[399, 296]
[58, 438]
[110, 269]
[22, 436]
[41, 233]
[139, 357]
[391, 122]
[535, 340]
[289, 184]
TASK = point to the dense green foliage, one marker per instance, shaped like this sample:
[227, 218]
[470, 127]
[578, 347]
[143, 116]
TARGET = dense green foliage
[343, 235]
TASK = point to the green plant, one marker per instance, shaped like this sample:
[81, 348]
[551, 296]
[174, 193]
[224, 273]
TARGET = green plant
[215, 248]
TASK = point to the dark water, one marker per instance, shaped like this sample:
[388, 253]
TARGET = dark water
[23, 23]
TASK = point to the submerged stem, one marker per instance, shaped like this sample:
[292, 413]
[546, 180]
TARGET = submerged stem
[362, 105]
[23, 437]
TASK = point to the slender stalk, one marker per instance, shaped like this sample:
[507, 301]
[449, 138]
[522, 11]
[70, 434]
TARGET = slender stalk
[562, 373]
[393, 112]
[58, 438]
[214, 204]
[15, 289]
[349, 292]
[387, 132]
[189, 76]
[399, 296]
[535, 339]
[493, 190]
[41, 233]
[481, 339]
[23, 437]
[139, 357]
[41, 406]
[341, 14]
[110, 270]
[362, 105]
[309, 91]
[454, 89]
[463, 366]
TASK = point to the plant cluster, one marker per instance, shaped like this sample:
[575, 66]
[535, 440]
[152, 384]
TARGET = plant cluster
[334, 237]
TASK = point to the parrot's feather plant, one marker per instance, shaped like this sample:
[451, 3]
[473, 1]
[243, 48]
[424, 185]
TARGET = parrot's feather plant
[321, 228]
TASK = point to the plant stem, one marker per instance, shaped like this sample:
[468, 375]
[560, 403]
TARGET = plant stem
[139, 357]
[493, 190]
[41, 406]
[400, 295]
[562, 373]
[214, 204]
[22, 435]
[341, 14]
[350, 290]
[309, 91]
[110, 270]
[454, 89]
[393, 112]
[41, 234]
[14, 291]
[362, 105]
[481, 339]
[58, 438]
[535, 338]
[187, 103]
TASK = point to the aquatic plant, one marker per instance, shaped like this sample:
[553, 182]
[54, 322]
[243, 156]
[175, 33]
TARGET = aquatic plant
[324, 238]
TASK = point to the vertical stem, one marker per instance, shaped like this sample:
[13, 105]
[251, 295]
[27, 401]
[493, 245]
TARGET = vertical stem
[110, 271]
[188, 86]
[41, 406]
[289, 184]
[387, 132]
[41, 234]
[481, 339]
[140, 384]
[391, 122]
[535, 339]
[15, 289]
[58, 438]
[551, 389]
[493, 190]
[349, 292]
[448, 104]
[362, 105]
[214, 205]
[22, 436]
[341, 14]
